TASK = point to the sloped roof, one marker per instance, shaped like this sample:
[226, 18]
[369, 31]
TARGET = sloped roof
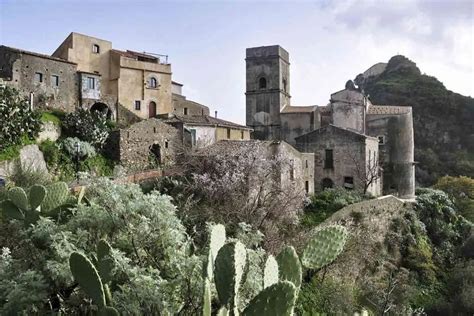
[325, 129]
[204, 120]
[388, 109]
[235, 147]
[298, 109]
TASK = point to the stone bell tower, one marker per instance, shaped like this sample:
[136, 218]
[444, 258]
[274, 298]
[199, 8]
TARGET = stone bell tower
[267, 91]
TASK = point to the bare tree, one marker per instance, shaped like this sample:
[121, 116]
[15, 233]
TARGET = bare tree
[366, 171]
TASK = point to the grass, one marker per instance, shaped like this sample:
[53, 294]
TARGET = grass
[13, 151]
[50, 117]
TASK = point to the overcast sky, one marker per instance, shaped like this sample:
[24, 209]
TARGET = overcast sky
[329, 41]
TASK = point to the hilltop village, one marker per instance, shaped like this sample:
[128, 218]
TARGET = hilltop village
[349, 142]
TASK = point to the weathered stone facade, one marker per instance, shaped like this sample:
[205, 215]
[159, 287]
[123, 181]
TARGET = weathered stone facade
[46, 81]
[270, 113]
[138, 145]
[341, 158]
[295, 169]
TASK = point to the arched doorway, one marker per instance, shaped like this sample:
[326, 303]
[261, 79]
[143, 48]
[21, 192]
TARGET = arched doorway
[152, 109]
[102, 108]
[327, 183]
[155, 154]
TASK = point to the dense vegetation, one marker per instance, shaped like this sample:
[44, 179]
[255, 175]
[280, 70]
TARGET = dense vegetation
[444, 132]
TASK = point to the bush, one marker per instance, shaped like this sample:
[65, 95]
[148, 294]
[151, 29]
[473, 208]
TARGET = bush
[461, 191]
[328, 297]
[87, 126]
[85, 149]
[18, 120]
[13, 151]
[323, 204]
[50, 117]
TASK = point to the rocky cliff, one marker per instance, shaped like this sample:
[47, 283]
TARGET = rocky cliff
[443, 120]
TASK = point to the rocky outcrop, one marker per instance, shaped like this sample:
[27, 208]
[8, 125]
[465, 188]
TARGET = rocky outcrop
[31, 158]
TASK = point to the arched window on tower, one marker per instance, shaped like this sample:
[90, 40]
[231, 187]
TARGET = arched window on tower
[153, 83]
[262, 83]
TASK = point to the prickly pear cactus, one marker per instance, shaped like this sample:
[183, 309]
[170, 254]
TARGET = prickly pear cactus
[88, 278]
[10, 210]
[206, 302]
[57, 195]
[216, 241]
[18, 196]
[105, 261]
[325, 245]
[36, 196]
[228, 272]
[276, 300]
[289, 266]
[223, 312]
[270, 273]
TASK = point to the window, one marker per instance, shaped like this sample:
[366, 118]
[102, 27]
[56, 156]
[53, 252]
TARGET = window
[138, 105]
[193, 137]
[284, 85]
[228, 133]
[292, 172]
[349, 183]
[95, 49]
[241, 134]
[262, 83]
[38, 77]
[55, 81]
[306, 164]
[381, 140]
[166, 144]
[185, 111]
[328, 159]
[90, 83]
[306, 186]
[153, 83]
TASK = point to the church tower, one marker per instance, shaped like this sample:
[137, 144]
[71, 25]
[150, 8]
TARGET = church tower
[268, 89]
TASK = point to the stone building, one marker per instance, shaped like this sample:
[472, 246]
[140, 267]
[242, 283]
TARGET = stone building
[206, 130]
[270, 113]
[150, 142]
[46, 81]
[293, 170]
[88, 72]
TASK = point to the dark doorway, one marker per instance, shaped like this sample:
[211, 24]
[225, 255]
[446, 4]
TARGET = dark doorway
[327, 183]
[152, 109]
[155, 154]
[101, 108]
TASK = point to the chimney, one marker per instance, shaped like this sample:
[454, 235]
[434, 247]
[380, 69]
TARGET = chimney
[215, 114]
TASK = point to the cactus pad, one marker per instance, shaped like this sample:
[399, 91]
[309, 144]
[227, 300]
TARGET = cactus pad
[88, 278]
[105, 261]
[325, 245]
[10, 210]
[223, 312]
[56, 195]
[216, 241]
[289, 266]
[206, 302]
[18, 196]
[37, 194]
[270, 273]
[278, 299]
[228, 272]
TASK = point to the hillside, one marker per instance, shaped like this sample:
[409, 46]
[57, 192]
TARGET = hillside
[443, 120]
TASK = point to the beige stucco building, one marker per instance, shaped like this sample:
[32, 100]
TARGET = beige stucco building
[137, 82]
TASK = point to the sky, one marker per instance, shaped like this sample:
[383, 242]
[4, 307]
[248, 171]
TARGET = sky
[329, 42]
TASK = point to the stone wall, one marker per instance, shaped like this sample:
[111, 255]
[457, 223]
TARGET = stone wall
[349, 152]
[296, 124]
[135, 142]
[180, 103]
[22, 70]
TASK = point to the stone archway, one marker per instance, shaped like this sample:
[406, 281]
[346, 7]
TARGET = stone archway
[327, 183]
[102, 108]
[155, 153]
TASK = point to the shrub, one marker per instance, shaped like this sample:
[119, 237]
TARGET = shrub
[50, 117]
[13, 151]
[325, 203]
[85, 149]
[18, 120]
[25, 176]
[87, 126]
[461, 190]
